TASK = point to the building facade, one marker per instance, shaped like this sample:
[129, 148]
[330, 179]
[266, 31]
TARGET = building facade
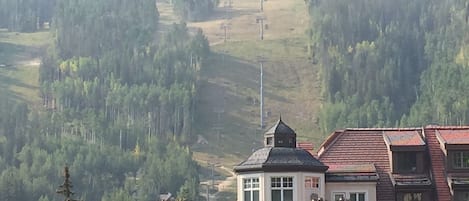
[364, 164]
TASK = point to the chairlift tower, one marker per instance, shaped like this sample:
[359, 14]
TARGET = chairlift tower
[225, 27]
[260, 20]
[261, 61]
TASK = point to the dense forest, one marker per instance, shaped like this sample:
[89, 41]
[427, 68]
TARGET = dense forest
[25, 15]
[118, 96]
[391, 63]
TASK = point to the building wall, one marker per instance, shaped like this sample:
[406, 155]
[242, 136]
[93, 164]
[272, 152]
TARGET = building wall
[250, 175]
[351, 187]
[299, 191]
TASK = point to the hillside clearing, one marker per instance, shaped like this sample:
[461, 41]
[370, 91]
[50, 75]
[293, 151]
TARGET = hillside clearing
[19, 62]
[227, 109]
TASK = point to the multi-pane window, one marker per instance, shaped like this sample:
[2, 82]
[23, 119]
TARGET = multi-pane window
[461, 196]
[412, 197]
[311, 182]
[251, 189]
[349, 196]
[461, 159]
[357, 196]
[339, 196]
[282, 188]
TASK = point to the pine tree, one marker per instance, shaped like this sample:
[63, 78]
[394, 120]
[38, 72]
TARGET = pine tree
[66, 188]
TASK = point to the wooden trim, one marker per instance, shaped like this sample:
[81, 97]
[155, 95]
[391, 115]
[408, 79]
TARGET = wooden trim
[458, 147]
[408, 148]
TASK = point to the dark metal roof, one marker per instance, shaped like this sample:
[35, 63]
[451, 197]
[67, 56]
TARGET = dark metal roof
[281, 159]
[414, 180]
[352, 177]
[280, 128]
[352, 173]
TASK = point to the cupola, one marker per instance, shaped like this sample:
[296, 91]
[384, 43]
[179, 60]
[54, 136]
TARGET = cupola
[280, 135]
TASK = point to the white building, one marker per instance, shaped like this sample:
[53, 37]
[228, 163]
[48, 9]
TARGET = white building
[280, 171]
[283, 172]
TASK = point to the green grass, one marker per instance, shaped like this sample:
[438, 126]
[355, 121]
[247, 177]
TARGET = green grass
[19, 64]
[231, 81]
[272, 50]
[227, 108]
[20, 83]
[35, 39]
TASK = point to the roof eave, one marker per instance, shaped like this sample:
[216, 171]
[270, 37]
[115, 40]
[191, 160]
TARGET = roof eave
[279, 168]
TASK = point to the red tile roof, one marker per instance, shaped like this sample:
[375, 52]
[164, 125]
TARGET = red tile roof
[404, 138]
[306, 146]
[455, 136]
[352, 149]
[358, 147]
[437, 161]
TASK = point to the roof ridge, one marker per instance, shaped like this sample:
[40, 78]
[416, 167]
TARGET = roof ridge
[385, 129]
[329, 142]
[437, 127]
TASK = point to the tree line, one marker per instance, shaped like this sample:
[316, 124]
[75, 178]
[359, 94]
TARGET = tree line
[33, 15]
[390, 63]
[25, 15]
[32, 162]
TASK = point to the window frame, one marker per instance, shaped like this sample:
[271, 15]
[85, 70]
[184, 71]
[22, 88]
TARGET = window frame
[282, 184]
[269, 141]
[413, 194]
[334, 194]
[357, 196]
[464, 162]
[399, 161]
[347, 195]
[457, 194]
[253, 186]
[310, 181]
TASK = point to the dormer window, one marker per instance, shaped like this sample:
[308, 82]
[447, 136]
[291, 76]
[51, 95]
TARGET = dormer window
[407, 149]
[461, 160]
[461, 195]
[406, 162]
[269, 141]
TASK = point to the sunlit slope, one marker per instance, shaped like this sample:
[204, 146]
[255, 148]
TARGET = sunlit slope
[227, 109]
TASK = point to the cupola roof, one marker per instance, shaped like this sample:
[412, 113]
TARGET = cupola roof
[280, 128]
[281, 159]
[280, 154]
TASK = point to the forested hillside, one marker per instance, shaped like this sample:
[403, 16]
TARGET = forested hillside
[32, 162]
[25, 15]
[107, 79]
[118, 101]
[391, 63]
